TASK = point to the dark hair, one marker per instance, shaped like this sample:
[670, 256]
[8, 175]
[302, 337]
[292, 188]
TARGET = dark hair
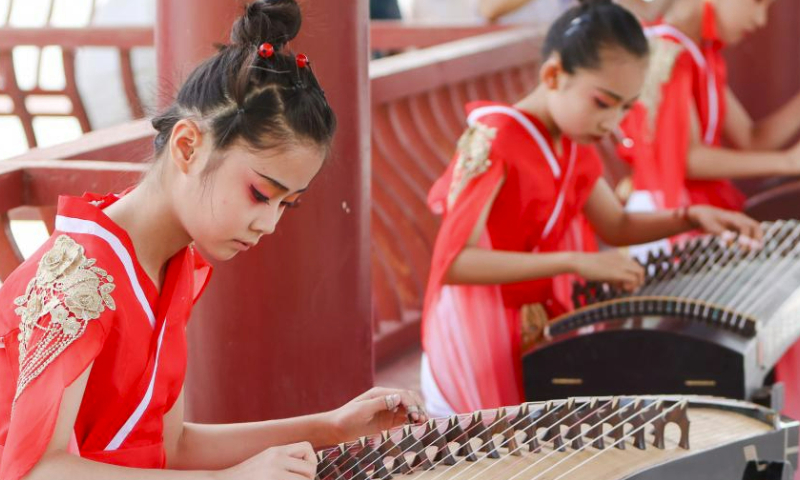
[243, 95]
[581, 32]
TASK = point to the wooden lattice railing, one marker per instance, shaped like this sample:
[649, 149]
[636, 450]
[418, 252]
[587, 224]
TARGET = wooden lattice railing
[68, 40]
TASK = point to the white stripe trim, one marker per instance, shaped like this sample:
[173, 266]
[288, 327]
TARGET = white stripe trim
[560, 201]
[700, 60]
[527, 125]
[79, 225]
[127, 428]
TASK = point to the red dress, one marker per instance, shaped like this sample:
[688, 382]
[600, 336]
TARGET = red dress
[684, 77]
[471, 333]
[83, 298]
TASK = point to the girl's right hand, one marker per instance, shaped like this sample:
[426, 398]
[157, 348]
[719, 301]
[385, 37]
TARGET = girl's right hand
[289, 462]
[612, 266]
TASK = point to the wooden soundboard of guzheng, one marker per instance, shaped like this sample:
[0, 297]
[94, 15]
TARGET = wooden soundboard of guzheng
[724, 284]
[649, 437]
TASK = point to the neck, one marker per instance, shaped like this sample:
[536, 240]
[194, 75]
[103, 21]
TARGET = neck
[147, 216]
[687, 16]
[536, 104]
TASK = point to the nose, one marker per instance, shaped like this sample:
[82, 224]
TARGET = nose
[267, 219]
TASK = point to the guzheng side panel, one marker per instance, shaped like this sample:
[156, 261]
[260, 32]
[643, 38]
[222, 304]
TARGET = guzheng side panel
[639, 356]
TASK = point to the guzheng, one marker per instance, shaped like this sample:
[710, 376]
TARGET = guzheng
[648, 437]
[712, 318]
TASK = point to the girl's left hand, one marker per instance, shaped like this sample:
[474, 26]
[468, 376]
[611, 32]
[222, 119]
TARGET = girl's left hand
[376, 410]
[717, 221]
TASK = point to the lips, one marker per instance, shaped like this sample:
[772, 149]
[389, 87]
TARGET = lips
[243, 245]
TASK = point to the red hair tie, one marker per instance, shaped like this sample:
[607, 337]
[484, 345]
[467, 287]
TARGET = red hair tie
[301, 60]
[266, 50]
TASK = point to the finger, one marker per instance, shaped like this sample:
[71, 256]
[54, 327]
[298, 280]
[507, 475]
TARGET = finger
[301, 467]
[408, 400]
[421, 403]
[382, 403]
[302, 450]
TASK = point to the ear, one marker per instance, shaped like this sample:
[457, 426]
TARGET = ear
[185, 140]
[550, 72]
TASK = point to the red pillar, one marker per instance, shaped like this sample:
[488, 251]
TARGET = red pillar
[285, 329]
[185, 34]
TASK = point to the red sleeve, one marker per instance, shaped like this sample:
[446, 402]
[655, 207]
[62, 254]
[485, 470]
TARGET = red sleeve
[463, 197]
[63, 307]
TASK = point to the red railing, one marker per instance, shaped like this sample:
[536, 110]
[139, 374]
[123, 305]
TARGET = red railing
[27, 185]
[391, 35]
[69, 40]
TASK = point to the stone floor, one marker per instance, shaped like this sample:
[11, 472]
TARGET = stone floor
[403, 372]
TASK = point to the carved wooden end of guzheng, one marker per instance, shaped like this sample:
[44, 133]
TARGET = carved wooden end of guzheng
[647, 437]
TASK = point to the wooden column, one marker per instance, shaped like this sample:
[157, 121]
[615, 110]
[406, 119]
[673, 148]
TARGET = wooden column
[284, 329]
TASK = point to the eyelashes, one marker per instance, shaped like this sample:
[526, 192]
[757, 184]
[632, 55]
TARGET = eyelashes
[261, 198]
[601, 104]
[258, 195]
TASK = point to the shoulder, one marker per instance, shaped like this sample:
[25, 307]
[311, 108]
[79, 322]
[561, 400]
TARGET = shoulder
[66, 295]
[64, 285]
[669, 60]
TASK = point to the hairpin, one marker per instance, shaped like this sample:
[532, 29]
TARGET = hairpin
[266, 50]
[574, 25]
[301, 60]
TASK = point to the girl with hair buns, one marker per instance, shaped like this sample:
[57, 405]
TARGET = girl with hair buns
[92, 342]
[520, 176]
[678, 156]
[688, 110]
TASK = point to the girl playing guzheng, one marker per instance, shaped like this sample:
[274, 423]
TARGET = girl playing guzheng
[93, 349]
[520, 176]
[687, 110]
[678, 157]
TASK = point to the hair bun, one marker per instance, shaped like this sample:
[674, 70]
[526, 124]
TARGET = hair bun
[273, 21]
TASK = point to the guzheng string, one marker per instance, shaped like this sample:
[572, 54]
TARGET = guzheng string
[624, 438]
[675, 270]
[569, 440]
[522, 446]
[719, 290]
[444, 435]
[784, 257]
[754, 263]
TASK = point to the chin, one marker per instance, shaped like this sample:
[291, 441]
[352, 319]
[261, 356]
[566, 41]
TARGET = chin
[218, 253]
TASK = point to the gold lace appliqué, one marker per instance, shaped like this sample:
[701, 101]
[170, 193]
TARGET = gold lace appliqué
[663, 55]
[72, 290]
[473, 158]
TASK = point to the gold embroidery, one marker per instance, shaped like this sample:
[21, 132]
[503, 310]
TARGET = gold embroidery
[663, 54]
[72, 290]
[473, 158]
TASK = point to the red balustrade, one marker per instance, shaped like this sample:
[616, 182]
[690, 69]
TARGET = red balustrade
[69, 40]
[38, 184]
